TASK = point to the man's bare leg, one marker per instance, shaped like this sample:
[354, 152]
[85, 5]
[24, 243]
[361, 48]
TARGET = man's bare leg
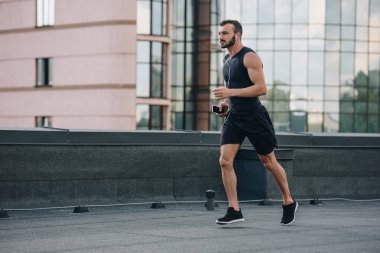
[278, 172]
[227, 157]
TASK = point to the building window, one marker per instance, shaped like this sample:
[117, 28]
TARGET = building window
[43, 121]
[152, 17]
[151, 69]
[149, 117]
[44, 72]
[45, 12]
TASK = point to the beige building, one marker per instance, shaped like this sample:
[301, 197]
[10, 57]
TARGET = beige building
[70, 64]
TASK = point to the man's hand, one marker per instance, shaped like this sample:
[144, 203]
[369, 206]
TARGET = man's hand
[222, 92]
[223, 108]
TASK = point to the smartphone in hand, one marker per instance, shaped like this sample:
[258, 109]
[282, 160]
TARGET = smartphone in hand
[216, 109]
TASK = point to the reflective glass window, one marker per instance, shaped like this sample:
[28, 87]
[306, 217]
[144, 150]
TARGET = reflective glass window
[316, 31]
[142, 117]
[315, 93]
[143, 80]
[361, 98]
[346, 123]
[283, 11]
[156, 80]
[152, 15]
[347, 93]
[232, 9]
[249, 11]
[298, 105]
[374, 18]
[361, 64]
[316, 66]
[332, 45]
[265, 44]
[361, 47]
[348, 32]
[281, 121]
[282, 106]
[360, 123]
[150, 69]
[157, 18]
[143, 17]
[314, 122]
[373, 124]
[374, 47]
[315, 106]
[332, 93]
[45, 12]
[143, 51]
[373, 108]
[317, 12]
[331, 106]
[178, 12]
[374, 34]
[374, 70]
[282, 44]
[156, 117]
[347, 68]
[300, 11]
[298, 92]
[281, 67]
[266, 11]
[281, 92]
[362, 33]
[299, 45]
[332, 32]
[157, 56]
[316, 45]
[331, 122]
[332, 11]
[299, 31]
[265, 31]
[250, 32]
[282, 31]
[149, 117]
[362, 12]
[347, 46]
[267, 58]
[347, 106]
[190, 12]
[332, 68]
[348, 12]
[299, 68]
[298, 121]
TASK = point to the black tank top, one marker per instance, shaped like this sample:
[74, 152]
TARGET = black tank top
[236, 77]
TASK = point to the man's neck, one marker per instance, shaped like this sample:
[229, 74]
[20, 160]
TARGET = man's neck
[234, 49]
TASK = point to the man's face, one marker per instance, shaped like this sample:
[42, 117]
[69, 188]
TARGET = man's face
[226, 36]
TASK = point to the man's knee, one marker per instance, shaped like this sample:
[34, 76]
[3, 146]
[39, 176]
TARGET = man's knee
[268, 162]
[225, 163]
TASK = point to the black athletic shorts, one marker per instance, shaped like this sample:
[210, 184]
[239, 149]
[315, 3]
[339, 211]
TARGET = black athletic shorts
[256, 126]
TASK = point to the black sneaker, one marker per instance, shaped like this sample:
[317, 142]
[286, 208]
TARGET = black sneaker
[289, 213]
[231, 216]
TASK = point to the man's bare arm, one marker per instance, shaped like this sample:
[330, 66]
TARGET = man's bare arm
[253, 64]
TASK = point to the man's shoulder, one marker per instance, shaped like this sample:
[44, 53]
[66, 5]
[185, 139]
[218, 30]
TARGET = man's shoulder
[248, 50]
[251, 58]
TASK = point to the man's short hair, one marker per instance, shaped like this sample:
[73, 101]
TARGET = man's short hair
[235, 23]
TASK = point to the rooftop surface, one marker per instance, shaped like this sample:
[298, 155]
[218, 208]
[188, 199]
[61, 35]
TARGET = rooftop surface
[334, 226]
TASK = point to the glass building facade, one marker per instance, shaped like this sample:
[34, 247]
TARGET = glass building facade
[196, 63]
[321, 61]
[152, 57]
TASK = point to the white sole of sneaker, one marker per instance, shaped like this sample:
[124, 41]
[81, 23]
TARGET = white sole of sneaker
[282, 224]
[229, 222]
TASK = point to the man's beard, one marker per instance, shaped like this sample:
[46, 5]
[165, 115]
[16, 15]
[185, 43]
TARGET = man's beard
[229, 43]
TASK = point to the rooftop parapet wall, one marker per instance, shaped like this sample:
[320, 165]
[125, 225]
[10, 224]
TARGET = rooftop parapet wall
[54, 167]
